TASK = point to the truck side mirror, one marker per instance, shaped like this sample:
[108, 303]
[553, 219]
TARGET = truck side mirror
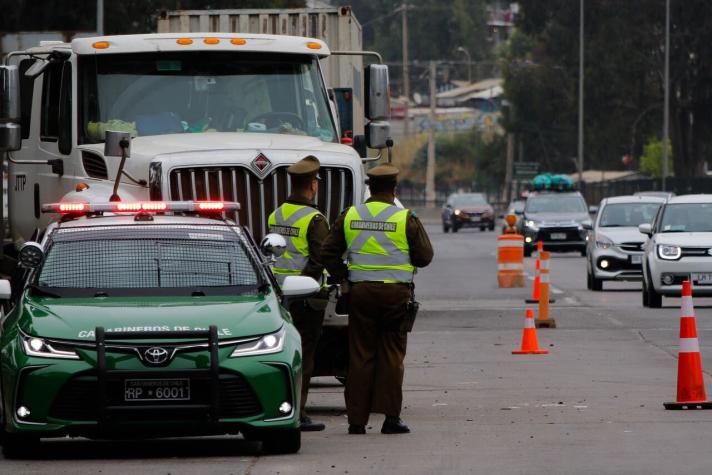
[377, 95]
[377, 134]
[10, 134]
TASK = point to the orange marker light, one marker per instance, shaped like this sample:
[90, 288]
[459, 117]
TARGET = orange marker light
[100, 44]
[184, 41]
[313, 45]
[81, 186]
[238, 41]
[211, 41]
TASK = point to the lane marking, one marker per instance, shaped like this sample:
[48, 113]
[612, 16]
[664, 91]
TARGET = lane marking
[615, 321]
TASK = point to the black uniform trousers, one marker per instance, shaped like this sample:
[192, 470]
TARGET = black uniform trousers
[377, 349]
[308, 322]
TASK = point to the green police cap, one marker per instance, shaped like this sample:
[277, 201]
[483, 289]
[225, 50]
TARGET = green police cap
[308, 165]
[383, 173]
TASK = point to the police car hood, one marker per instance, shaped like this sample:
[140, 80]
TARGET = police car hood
[76, 319]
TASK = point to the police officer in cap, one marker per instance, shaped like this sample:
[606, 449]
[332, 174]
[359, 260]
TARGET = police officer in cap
[304, 228]
[383, 245]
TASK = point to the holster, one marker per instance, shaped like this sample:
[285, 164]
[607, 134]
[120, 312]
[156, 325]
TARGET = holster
[411, 312]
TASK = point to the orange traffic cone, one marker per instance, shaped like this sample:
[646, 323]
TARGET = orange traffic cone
[530, 345]
[690, 383]
[537, 277]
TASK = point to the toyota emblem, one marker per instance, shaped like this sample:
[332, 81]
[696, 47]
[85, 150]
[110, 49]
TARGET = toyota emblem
[156, 355]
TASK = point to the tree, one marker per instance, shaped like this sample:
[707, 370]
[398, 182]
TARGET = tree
[624, 47]
[651, 162]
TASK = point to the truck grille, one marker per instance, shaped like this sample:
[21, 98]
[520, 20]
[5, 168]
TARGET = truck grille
[78, 400]
[258, 197]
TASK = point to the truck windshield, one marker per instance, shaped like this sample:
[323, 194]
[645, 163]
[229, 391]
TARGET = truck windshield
[154, 260]
[176, 92]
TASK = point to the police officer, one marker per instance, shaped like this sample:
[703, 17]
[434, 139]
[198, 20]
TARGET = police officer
[304, 228]
[383, 245]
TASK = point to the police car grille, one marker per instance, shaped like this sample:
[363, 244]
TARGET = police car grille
[258, 197]
[78, 399]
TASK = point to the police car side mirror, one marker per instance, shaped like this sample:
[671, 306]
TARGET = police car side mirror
[273, 245]
[299, 286]
[31, 255]
[5, 289]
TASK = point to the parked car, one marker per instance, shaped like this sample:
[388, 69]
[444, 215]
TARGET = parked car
[464, 210]
[557, 219]
[614, 250]
[516, 208]
[679, 247]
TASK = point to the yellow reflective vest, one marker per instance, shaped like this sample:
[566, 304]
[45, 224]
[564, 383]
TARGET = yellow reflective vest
[376, 243]
[291, 221]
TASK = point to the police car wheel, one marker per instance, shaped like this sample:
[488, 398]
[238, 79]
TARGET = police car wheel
[281, 441]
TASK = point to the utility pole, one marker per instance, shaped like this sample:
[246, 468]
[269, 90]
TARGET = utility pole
[462, 49]
[406, 72]
[100, 17]
[430, 168]
[580, 100]
[666, 113]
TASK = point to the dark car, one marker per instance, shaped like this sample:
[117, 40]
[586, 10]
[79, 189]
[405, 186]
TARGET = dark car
[467, 210]
[557, 219]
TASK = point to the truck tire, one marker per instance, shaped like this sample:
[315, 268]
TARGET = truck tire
[281, 441]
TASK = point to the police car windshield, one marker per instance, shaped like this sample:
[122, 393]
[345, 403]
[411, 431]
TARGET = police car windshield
[556, 203]
[193, 92]
[687, 218]
[628, 214]
[146, 260]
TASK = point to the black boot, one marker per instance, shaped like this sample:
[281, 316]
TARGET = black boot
[357, 429]
[394, 425]
[308, 425]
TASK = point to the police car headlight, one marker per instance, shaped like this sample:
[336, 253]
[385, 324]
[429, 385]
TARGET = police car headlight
[669, 253]
[40, 347]
[267, 344]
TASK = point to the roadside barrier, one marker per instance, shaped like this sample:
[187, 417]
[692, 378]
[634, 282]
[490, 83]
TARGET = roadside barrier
[690, 381]
[537, 277]
[530, 344]
[510, 260]
[543, 320]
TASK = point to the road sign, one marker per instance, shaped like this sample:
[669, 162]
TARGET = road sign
[524, 170]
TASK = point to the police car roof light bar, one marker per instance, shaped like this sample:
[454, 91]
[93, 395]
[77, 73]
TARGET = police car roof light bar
[201, 207]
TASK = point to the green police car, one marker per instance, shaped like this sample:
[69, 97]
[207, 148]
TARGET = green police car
[149, 319]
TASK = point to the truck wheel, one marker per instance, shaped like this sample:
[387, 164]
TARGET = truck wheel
[281, 441]
[491, 226]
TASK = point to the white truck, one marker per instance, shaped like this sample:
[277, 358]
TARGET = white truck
[212, 115]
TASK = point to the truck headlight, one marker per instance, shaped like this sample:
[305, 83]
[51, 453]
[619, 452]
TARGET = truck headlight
[668, 252]
[603, 242]
[531, 225]
[34, 346]
[457, 212]
[265, 345]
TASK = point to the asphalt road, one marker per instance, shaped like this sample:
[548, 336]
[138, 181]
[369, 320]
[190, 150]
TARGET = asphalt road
[592, 406]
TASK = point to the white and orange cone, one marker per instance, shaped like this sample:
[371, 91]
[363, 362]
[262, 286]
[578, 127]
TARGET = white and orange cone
[530, 344]
[690, 381]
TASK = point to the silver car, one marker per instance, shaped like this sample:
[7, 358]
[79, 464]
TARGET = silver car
[614, 249]
[679, 248]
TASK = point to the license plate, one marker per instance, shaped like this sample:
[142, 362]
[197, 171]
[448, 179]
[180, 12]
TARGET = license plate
[703, 278]
[636, 259]
[558, 236]
[157, 390]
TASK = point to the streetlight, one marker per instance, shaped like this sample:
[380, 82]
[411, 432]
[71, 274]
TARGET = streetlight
[461, 49]
[666, 106]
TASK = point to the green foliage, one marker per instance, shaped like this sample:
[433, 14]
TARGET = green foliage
[465, 160]
[623, 89]
[651, 162]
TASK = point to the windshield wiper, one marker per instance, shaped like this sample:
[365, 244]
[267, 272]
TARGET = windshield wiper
[40, 291]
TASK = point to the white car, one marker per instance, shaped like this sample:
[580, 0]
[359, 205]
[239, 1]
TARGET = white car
[679, 247]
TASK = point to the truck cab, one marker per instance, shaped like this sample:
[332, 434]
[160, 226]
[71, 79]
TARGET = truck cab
[213, 116]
